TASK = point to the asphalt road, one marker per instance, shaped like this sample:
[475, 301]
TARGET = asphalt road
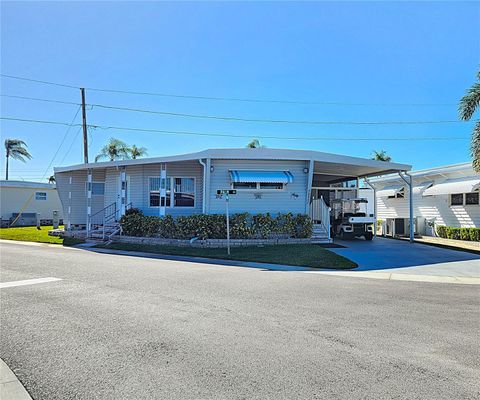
[120, 327]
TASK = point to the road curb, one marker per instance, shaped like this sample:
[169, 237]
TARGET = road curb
[10, 387]
[391, 276]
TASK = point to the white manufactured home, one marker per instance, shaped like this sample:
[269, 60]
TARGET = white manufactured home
[265, 180]
[446, 195]
[30, 200]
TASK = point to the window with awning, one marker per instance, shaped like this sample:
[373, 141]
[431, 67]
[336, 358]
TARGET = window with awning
[453, 187]
[260, 180]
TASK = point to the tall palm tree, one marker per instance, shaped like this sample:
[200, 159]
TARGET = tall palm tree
[254, 144]
[468, 105]
[16, 149]
[138, 151]
[115, 149]
[51, 179]
[381, 156]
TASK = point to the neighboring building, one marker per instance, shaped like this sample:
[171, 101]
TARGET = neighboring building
[446, 195]
[266, 180]
[29, 199]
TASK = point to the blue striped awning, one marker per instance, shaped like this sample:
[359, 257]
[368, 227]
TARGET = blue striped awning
[247, 176]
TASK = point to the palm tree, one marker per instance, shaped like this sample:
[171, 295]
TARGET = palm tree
[51, 179]
[381, 156]
[468, 105]
[138, 151]
[16, 149]
[115, 149]
[254, 144]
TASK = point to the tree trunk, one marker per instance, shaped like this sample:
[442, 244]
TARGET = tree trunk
[6, 169]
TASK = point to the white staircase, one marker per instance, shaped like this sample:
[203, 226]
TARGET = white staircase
[320, 234]
[104, 225]
[104, 233]
[320, 215]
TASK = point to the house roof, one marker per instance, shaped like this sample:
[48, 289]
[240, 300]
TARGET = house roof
[26, 185]
[334, 163]
[462, 168]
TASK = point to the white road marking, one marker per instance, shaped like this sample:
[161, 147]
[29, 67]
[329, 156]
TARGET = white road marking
[25, 282]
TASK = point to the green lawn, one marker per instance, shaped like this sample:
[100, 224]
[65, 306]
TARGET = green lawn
[30, 234]
[307, 255]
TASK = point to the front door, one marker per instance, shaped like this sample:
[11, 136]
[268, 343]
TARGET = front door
[119, 195]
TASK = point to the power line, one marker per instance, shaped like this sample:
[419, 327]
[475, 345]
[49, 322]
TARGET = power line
[277, 121]
[39, 81]
[71, 144]
[168, 132]
[240, 119]
[63, 140]
[231, 99]
[39, 99]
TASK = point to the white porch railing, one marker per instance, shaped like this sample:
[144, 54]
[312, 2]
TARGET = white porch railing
[320, 214]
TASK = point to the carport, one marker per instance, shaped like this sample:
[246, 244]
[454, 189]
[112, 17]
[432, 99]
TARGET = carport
[338, 173]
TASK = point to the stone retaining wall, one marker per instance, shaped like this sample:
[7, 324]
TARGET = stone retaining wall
[205, 243]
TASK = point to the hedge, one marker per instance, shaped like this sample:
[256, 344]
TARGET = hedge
[242, 226]
[448, 232]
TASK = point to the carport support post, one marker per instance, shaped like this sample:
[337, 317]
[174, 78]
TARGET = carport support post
[374, 204]
[407, 178]
[89, 201]
[410, 201]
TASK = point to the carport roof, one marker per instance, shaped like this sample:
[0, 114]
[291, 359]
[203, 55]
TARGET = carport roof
[325, 163]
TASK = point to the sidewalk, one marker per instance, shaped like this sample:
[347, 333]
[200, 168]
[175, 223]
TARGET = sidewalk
[450, 243]
[10, 386]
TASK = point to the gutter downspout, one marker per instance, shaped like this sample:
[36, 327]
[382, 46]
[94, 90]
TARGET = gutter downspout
[409, 182]
[204, 184]
[311, 167]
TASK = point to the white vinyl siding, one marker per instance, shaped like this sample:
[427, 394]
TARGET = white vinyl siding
[438, 207]
[14, 199]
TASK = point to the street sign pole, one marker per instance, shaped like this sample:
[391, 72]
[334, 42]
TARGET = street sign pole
[228, 224]
[226, 193]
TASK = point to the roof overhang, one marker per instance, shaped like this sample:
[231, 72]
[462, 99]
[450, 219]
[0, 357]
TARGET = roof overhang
[26, 185]
[454, 186]
[326, 163]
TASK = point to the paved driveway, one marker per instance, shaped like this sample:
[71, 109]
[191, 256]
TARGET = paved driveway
[403, 257]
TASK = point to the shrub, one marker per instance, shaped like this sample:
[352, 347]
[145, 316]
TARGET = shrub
[132, 211]
[448, 232]
[304, 226]
[242, 226]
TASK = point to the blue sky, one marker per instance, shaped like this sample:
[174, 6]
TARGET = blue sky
[383, 54]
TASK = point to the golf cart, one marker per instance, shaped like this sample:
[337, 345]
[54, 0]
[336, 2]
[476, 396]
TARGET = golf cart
[349, 219]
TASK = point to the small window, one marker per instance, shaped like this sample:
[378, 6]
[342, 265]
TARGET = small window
[471, 198]
[154, 192]
[456, 199]
[184, 192]
[40, 195]
[271, 186]
[98, 188]
[245, 185]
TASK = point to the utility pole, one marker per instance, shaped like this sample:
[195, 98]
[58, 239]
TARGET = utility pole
[84, 123]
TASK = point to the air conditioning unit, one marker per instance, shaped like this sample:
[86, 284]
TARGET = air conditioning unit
[401, 226]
